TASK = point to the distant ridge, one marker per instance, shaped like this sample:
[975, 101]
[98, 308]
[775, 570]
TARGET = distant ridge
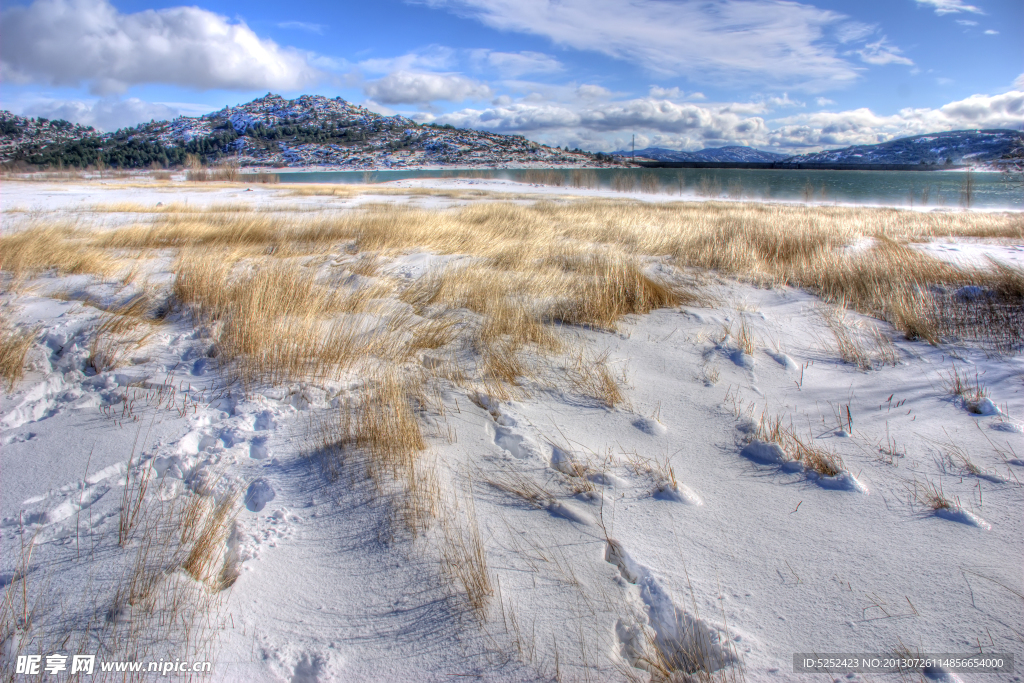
[994, 147]
[732, 153]
[950, 147]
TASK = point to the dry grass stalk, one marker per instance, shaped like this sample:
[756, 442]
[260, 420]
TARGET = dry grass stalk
[14, 346]
[520, 485]
[386, 427]
[857, 344]
[536, 177]
[813, 456]
[932, 497]
[277, 322]
[590, 376]
[658, 468]
[204, 531]
[960, 384]
[745, 337]
[709, 374]
[583, 179]
[463, 556]
[61, 248]
[122, 331]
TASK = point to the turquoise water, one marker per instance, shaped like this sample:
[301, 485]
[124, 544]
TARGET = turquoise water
[889, 188]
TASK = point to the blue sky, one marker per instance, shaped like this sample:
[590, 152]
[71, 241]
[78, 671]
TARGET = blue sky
[682, 74]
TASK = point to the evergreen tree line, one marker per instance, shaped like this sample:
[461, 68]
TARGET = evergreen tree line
[122, 152]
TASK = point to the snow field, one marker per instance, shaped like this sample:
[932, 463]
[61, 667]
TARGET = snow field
[400, 453]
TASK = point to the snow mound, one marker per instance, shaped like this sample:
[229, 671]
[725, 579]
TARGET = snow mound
[259, 493]
[765, 452]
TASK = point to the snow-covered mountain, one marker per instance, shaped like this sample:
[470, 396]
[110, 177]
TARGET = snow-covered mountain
[310, 130]
[721, 154]
[952, 147]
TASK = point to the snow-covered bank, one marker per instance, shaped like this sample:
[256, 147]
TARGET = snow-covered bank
[688, 526]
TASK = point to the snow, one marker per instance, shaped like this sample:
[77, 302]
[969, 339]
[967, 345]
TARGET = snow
[743, 550]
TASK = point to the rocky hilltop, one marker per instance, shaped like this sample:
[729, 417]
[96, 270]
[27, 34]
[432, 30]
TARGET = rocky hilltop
[274, 132]
[17, 132]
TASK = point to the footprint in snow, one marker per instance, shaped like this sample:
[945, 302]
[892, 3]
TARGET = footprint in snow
[783, 360]
[743, 360]
[259, 493]
[650, 426]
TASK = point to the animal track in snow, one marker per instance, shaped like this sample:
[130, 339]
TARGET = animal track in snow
[658, 634]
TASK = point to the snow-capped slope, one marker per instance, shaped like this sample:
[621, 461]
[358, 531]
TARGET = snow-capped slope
[723, 154]
[952, 147]
[310, 130]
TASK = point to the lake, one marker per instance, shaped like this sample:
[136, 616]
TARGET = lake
[891, 188]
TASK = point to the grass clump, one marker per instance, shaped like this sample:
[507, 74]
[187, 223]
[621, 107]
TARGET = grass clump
[14, 346]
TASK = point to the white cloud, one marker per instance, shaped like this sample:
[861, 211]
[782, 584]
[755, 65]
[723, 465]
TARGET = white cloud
[303, 26]
[784, 102]
[408, 87]
[592, 92]
[433, 58]
[966, 22]
[990, 32]
[516, 64]
[730, 40]
[879, 52]
[662, 123]
[824, 101]
[862, 126]
[1019, 82]
[665, 93]
[106, 114]
[652, 116]
[68, 42]
[950, 6]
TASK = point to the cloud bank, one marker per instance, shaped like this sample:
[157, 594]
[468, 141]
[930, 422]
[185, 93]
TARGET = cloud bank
[106, 114]
[768, 41]
[70, 42]
[605, 125]
[406, 87]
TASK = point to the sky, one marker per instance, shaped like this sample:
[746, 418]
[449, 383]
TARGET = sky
[778, 75]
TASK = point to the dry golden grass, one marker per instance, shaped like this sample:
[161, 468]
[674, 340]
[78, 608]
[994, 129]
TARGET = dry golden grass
[205, 526]
[932, 496]
[14, 346]
[959, 383]
[658, 468]
[122, 331]
[591, 376]
[61, 248]
[276, 320]
[863, 345]
[813, 456]
[463, 557]
[159, 592]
